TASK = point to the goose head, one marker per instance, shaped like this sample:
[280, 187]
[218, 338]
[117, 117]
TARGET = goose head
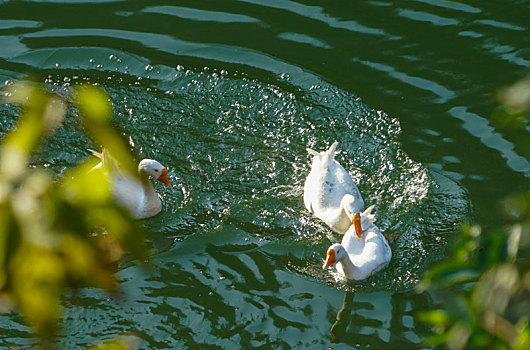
[154, 169]
[335, 253]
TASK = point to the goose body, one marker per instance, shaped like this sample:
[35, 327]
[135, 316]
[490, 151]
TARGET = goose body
[363, 250]
[329, 191]
[136, 193]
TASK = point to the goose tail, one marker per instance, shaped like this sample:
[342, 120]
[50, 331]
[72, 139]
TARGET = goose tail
[331, 150]
[367, 216]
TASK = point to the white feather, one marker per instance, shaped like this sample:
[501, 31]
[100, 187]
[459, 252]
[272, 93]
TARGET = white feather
[329, 191]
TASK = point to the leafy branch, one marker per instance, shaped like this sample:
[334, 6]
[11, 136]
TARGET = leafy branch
[57, 235]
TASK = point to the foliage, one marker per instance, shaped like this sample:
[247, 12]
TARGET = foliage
[514, 105]
[485, 283]
[487, 304]
[120, 343]
[61, 234]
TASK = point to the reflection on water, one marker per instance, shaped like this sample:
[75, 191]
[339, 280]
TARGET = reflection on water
[339, 327]
[233, 295]
[379, 318]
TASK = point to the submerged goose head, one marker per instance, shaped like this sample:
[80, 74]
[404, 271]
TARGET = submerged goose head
[154, 169]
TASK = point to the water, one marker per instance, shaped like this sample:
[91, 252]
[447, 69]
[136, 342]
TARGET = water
[228, 96]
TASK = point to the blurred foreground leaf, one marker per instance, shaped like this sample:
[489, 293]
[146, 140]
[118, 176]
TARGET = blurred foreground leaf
[96, 113]
[489, 307]
[485, 283]
[120, 343]
[65, 234]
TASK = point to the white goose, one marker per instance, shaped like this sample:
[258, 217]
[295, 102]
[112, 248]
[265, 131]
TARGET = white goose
[363, 250]
[329, 191]
[135, 193]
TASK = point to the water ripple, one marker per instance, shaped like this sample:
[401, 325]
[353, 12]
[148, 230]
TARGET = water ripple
[317, 13]
[200, 15]
[502, 25]
[174, 46]
[18, 23]
[304, 39]
[453, 5]
[427, 17]
[442, 92]
[11, 47]
[481, 128]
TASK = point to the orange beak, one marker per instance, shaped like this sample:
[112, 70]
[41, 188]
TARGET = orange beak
[357, 224]
[163, 178]
[330, 259]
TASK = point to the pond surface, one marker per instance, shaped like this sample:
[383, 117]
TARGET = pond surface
[228, 95]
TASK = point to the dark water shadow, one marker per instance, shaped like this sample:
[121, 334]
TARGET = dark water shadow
[379, 320]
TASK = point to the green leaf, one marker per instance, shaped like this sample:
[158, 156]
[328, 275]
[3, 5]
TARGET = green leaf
[119, 343]
[435, 318]
[96, 113]
[60, 234]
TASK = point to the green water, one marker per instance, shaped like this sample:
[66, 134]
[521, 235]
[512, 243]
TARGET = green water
[228, 95]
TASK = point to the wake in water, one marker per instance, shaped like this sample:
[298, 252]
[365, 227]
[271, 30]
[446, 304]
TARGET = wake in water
[238, 150]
